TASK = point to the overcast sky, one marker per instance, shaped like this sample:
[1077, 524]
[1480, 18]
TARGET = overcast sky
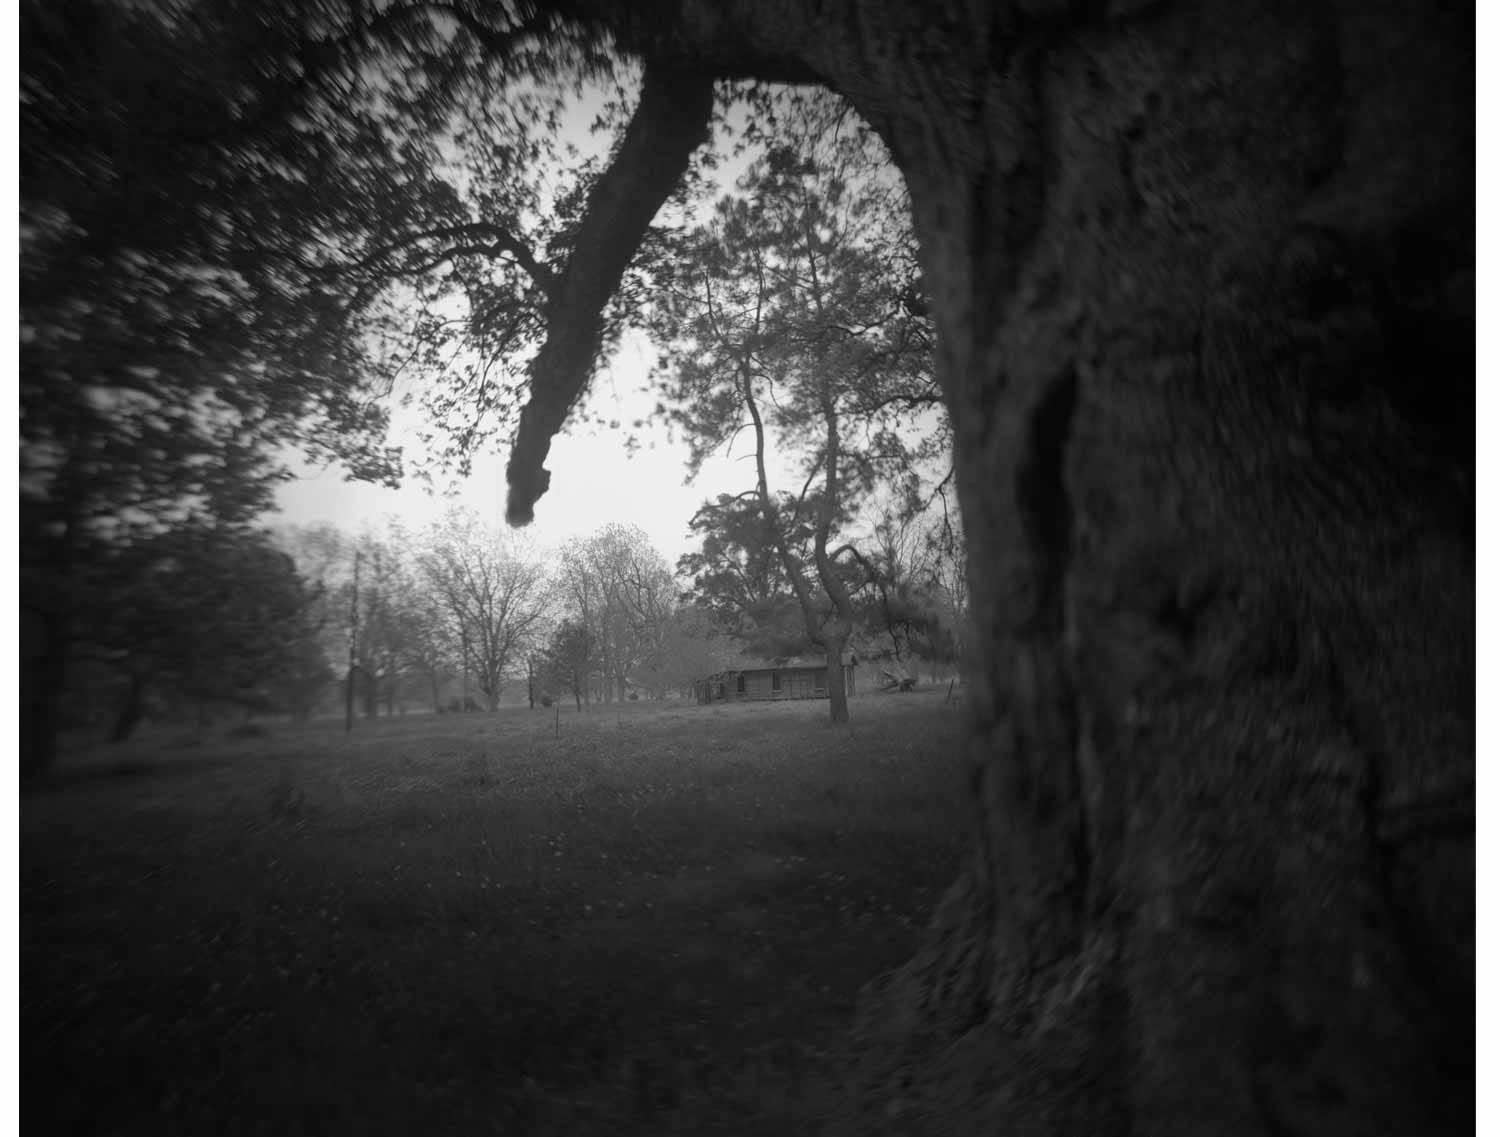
[594, 480]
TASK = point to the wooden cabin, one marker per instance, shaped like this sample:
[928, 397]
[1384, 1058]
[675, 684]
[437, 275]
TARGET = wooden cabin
[794, 679]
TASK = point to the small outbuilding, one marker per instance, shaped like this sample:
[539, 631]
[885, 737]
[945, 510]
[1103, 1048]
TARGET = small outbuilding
[805, 678]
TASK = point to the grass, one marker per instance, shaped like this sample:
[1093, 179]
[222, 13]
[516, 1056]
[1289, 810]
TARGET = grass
[633, 921]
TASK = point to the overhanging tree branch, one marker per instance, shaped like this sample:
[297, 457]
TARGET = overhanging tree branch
[670, 122]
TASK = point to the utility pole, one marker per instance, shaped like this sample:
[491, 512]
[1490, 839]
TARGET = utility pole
[463, 635]
[353, 639]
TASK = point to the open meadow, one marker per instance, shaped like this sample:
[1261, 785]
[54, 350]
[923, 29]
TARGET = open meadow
[640, 919]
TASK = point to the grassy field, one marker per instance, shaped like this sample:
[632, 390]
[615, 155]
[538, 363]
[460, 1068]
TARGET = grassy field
[633, 921]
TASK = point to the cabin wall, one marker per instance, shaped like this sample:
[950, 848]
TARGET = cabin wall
[805, 683]
[767, 684]
[758, 685]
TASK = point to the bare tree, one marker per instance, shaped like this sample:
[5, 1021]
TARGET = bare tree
[493, 592]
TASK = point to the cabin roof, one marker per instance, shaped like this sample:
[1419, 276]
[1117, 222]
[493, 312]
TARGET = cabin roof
[800, 663]
[804, 664]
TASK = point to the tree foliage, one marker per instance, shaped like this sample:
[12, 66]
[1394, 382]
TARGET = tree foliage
[739, 576]
[805, 281]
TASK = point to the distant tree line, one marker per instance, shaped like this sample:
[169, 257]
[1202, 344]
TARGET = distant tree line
[198, 620]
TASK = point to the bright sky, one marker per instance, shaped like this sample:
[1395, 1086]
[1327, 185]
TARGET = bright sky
[594, 480]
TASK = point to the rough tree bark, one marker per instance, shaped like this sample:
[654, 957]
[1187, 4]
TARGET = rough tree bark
[1203, 279]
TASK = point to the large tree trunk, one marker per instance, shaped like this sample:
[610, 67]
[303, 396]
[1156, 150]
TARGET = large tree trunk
[1203, 278]
[1204, 285]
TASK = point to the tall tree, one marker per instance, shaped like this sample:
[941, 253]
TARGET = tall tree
[793, 320]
